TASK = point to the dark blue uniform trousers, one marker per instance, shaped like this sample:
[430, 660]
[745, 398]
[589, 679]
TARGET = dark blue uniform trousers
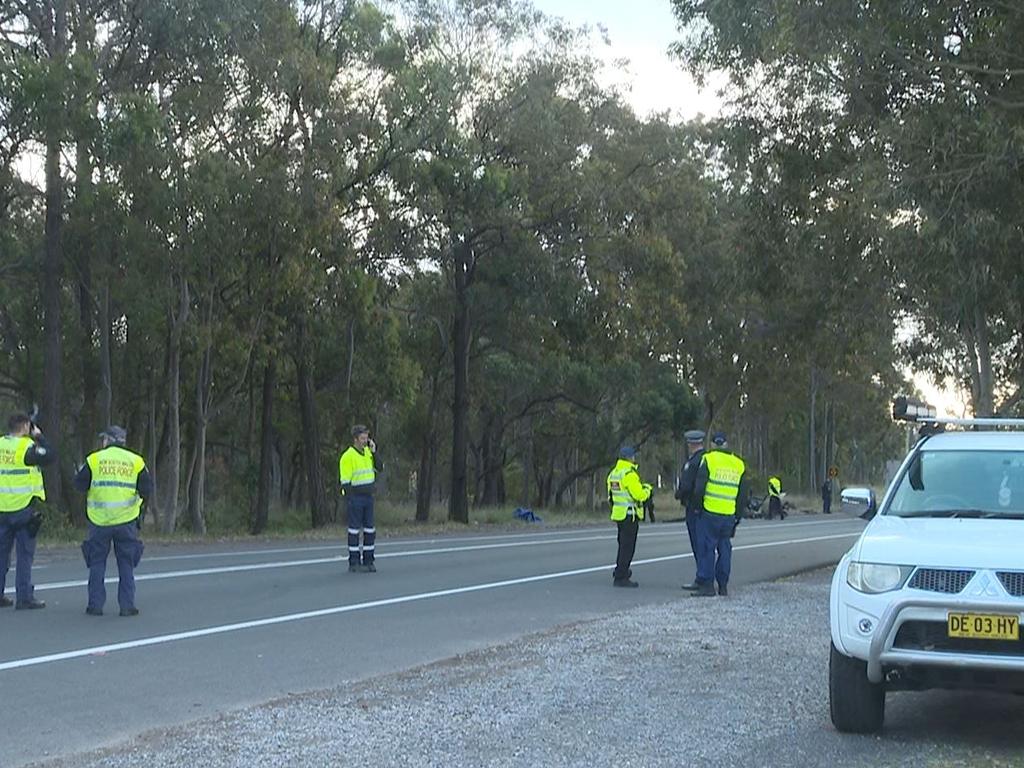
[360, 520]
[12, 531]
[693, 531]
[127, 551]
[715, 538]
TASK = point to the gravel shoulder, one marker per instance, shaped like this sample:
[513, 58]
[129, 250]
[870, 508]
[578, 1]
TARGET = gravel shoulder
[738, 681]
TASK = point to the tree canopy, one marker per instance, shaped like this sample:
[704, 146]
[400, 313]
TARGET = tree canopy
[258, 222]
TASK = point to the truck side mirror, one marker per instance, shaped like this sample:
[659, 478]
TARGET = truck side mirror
[859, 502]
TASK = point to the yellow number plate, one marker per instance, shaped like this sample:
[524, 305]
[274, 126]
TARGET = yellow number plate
[984, 626]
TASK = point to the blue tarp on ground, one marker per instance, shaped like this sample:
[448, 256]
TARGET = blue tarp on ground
[526, 515]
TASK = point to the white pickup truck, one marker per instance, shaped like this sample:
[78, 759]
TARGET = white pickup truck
[932, 593]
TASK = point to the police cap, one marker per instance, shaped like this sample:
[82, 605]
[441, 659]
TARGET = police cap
[627, 452]
[115, 434]
[718, 438]
[694, 436]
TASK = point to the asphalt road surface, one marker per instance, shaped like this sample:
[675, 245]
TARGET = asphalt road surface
[226, 626]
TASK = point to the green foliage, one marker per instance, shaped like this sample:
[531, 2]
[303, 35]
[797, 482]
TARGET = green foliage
[438, 223]
[914, 110]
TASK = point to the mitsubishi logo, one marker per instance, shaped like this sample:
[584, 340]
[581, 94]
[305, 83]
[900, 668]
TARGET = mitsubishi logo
[985, 587]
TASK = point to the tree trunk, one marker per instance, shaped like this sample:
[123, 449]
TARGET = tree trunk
[812, 435]
[153, 506]
[88, 420]
[527, 461]
[172, 462]
[428, 453]
[570, 480]
[197, 488]
[458, 502]
[984, 403]
[55, 33]
[319, 513]
[492, 461]
[261, 513]
[106, 393]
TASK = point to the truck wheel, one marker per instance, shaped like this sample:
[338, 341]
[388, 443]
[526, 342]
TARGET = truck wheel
[857, 705]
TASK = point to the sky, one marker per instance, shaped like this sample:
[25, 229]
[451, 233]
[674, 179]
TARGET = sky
[641, 31]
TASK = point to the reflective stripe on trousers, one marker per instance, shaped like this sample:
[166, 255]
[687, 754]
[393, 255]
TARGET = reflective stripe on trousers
[360, 521]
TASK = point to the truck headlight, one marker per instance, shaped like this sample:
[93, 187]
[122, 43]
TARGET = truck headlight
[873, 578]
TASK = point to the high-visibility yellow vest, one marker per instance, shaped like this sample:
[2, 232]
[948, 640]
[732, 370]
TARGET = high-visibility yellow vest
[774, 486]
[113, 498]
[19, 483]
[625, 491]
[724, 473]
[356, 469]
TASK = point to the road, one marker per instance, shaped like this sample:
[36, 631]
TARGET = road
[222, 627]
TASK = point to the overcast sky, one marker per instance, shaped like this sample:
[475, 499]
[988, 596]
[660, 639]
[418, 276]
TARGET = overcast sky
[641, 31]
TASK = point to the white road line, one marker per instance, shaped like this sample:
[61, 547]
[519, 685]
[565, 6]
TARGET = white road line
[54, 585]
[293, 617]
[315, 561]
[445, 540]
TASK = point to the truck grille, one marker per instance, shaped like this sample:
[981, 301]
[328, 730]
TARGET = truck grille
[1012, 582]
[932, 636]
[940, 580]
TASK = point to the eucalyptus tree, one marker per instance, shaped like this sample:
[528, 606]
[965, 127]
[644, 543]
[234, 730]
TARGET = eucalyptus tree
[509, 132]
[927, 96]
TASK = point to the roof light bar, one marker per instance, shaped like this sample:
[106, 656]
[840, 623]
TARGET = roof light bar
[907, 409]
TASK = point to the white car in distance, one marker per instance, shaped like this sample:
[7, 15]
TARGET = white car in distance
[932, 593]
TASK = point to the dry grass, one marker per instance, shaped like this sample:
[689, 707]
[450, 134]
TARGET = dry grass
[394, 519]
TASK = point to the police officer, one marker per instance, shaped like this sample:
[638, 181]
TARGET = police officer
[626, 494]
[722, 488]
[357, 470]
[22, 452]
[687, 497]
[826, 496]
[116, 482]
[775, 498]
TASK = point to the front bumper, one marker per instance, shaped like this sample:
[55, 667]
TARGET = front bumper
[881, 652]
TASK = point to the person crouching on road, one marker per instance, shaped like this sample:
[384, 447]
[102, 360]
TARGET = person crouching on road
[723, 488]
[116, 482]
[357, 469]
[22, 452]
[626, 494]
[688, 498]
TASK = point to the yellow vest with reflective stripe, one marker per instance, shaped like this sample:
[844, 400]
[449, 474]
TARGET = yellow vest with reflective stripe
[113, 498]
[724, 473]
[774, 486]
[625, 491]
[19, 483]
[356, 468]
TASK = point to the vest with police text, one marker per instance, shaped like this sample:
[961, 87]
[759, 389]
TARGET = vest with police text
[624, 503]
[724, 473]
[113, 498]
[19, 483]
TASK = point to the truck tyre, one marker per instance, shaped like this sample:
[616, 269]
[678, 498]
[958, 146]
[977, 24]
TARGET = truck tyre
[857, 705]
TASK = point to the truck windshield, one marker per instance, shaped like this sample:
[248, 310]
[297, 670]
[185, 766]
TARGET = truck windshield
[961, 484]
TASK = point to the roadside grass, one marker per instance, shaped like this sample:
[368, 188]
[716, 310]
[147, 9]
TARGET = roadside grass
[394, 519]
